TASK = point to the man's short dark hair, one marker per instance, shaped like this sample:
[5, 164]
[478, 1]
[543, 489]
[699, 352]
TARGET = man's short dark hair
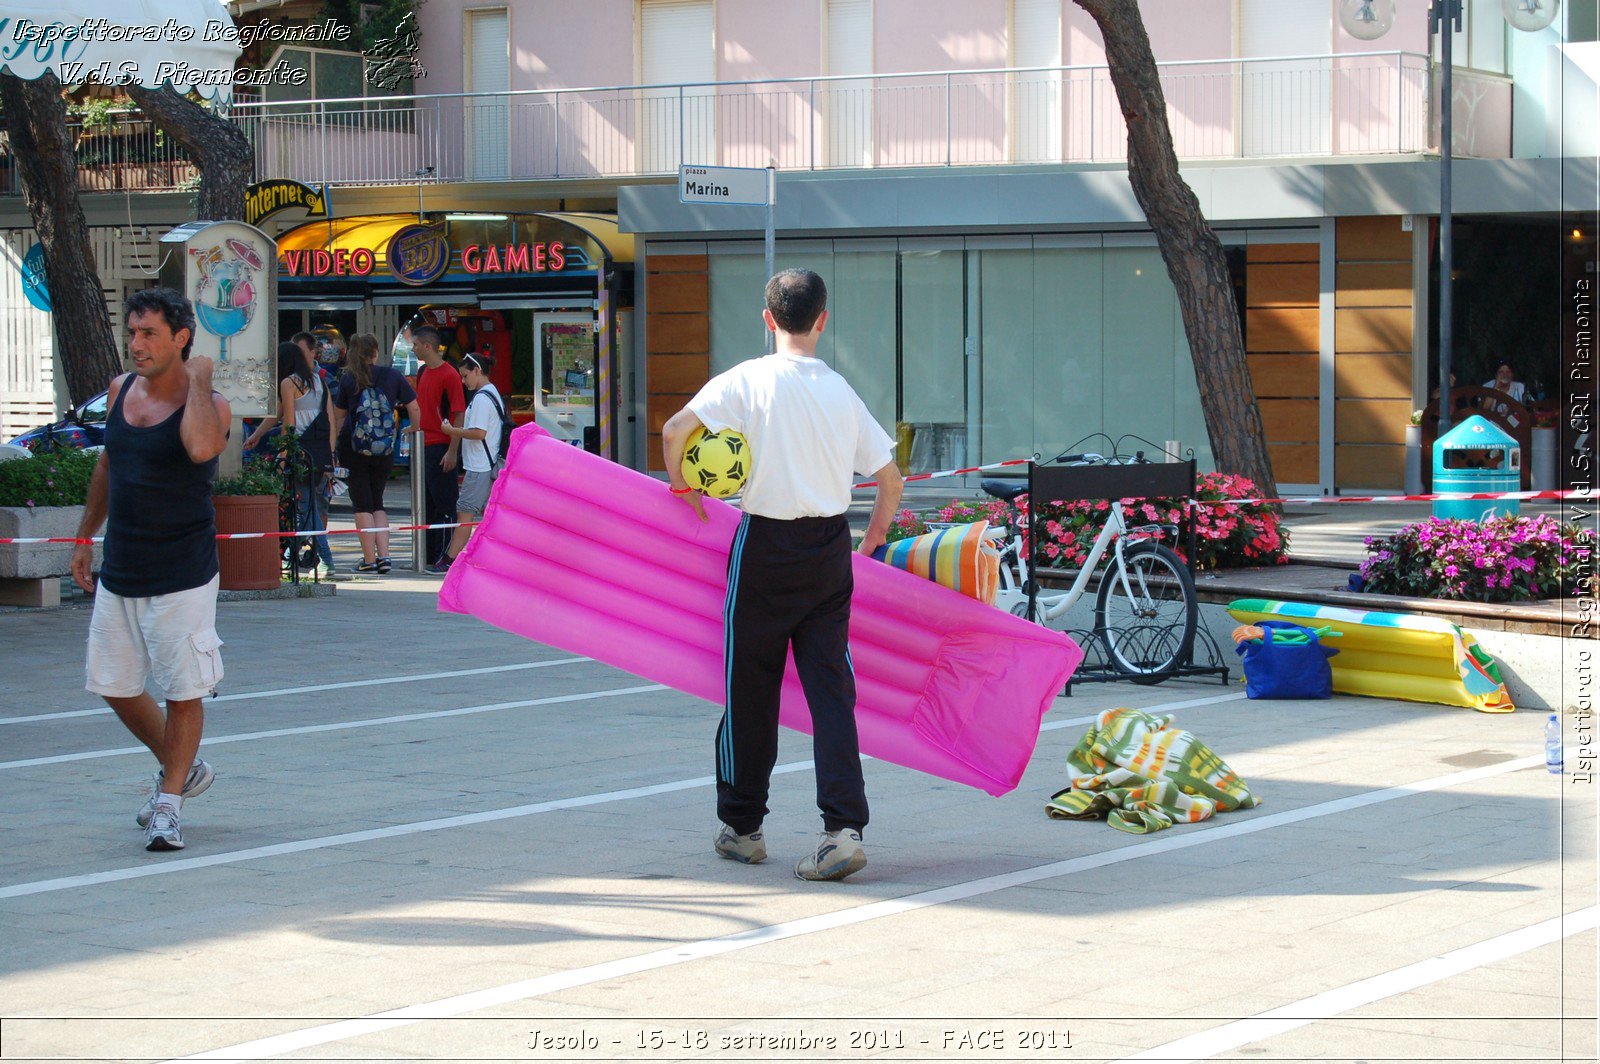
[174, 309]
[425, 334]
[304, 339]
[797, 299]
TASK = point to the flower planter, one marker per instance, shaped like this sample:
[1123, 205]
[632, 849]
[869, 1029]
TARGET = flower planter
[30, 574]
[1413, 459]
[247, 564]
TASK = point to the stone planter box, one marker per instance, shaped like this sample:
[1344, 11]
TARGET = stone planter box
[30, 573]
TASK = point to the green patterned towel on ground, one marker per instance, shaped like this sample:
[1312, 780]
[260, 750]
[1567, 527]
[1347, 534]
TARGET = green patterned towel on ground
[1143, 775]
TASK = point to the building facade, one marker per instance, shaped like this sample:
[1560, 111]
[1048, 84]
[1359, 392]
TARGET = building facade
[956, 171]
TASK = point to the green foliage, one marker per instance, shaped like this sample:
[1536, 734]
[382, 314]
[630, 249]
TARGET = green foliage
[96, 114]
[368, 34]
[54, 478]
[260, 476]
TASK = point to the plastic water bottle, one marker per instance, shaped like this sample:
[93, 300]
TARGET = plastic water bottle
[1553, 759]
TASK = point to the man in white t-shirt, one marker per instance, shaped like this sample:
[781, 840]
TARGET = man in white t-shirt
[789, 570]
[480, 445]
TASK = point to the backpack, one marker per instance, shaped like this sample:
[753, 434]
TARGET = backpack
[372, 426]
[498, 458]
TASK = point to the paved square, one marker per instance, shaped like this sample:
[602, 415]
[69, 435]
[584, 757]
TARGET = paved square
[431, 840]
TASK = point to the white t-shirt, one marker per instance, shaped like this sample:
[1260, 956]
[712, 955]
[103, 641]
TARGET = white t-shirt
[808, 432]
[481, 414]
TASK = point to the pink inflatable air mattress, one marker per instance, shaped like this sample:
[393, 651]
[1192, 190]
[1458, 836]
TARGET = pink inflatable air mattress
[584, 555]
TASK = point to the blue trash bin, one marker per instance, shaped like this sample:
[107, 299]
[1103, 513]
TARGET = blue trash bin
[1477, 456]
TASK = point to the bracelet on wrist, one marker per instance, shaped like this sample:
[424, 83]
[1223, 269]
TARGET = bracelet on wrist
[679, 491]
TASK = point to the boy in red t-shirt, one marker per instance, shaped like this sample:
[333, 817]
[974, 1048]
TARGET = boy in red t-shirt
[439, 396]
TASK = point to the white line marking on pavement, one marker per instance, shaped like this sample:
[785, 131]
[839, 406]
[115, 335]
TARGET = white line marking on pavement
[312, 689]
[681, 953]
[1193, 703]
[1330, 1003]
[367, 722]
[115, 875]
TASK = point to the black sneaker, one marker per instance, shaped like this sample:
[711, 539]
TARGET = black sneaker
[383, 566]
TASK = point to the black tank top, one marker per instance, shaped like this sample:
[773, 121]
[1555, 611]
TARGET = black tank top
[161, 528]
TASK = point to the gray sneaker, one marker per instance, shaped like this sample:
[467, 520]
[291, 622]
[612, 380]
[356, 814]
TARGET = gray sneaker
[163, 833]
[199, 778]
[750, 849]
[838, 854]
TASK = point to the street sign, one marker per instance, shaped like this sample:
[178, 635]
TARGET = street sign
[722, 184]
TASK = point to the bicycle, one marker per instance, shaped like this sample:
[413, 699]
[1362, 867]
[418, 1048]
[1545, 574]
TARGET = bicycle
[1145, 610]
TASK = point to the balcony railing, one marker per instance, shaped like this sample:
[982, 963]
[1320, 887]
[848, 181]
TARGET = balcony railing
[1291, 106]
[1285, 107]
[126, 153]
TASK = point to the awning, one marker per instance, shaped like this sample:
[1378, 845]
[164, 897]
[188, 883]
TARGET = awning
[72, 38]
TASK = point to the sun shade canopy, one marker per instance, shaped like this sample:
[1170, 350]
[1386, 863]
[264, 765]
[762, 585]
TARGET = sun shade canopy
[182, 43]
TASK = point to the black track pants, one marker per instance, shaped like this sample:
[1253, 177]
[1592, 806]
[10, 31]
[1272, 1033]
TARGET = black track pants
[440, 505]
[789, 583]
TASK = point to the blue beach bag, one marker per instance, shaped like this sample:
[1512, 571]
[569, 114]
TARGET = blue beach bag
[1274, 668]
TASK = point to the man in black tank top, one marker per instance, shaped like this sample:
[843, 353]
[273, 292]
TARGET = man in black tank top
[155, 612]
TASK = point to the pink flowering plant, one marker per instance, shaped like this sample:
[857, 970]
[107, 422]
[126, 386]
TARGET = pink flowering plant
[1228, 534]
[1504, 559]
[52, 478]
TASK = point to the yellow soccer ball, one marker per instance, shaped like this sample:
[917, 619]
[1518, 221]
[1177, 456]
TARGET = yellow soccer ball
[716, 462]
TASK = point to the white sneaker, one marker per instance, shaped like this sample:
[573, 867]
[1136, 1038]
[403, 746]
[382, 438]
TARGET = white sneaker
[163, 832]
[198, 779]
[749, 849]
[838, 854]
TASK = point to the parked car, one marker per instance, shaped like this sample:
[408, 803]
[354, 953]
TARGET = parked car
[84, 426]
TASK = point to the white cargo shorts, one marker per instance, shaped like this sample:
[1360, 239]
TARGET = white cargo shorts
[170, 638]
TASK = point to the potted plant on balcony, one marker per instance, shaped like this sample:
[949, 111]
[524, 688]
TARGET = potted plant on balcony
[41, 497]
[247, 501]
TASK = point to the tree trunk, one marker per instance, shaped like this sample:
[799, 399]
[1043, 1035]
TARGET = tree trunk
[36, 118]
[1192, 252]
[223, 155]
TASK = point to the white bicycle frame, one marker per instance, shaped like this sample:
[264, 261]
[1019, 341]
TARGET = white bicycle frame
[1012, 595]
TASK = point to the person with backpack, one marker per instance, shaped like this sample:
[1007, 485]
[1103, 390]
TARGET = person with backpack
[369, 398]
[484, 438]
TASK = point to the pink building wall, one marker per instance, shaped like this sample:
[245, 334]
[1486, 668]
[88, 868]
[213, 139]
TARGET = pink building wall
[1365, 104]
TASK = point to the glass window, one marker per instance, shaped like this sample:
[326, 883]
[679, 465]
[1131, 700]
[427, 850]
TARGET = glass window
[861, 326]
[736, 302]
[1487, 34]
[1583, 20]
[279, 88]
[339, 76]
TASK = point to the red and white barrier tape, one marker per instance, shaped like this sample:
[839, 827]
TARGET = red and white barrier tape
[261, 535]
[951, 472]
[1482, 496]
[1479, 496]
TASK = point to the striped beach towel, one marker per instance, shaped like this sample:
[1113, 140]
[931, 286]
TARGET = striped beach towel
[958, 557]
[1144, 775]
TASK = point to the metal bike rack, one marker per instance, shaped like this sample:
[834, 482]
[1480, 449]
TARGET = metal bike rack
[1091, 483]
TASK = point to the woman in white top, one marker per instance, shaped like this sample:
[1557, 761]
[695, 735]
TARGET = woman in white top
[480, 446]
[1505, 382]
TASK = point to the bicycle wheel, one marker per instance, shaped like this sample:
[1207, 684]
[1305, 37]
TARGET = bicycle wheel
[1150, 634]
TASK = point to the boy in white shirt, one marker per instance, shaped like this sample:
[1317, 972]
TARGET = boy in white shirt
[789, 570]
[480, 445]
